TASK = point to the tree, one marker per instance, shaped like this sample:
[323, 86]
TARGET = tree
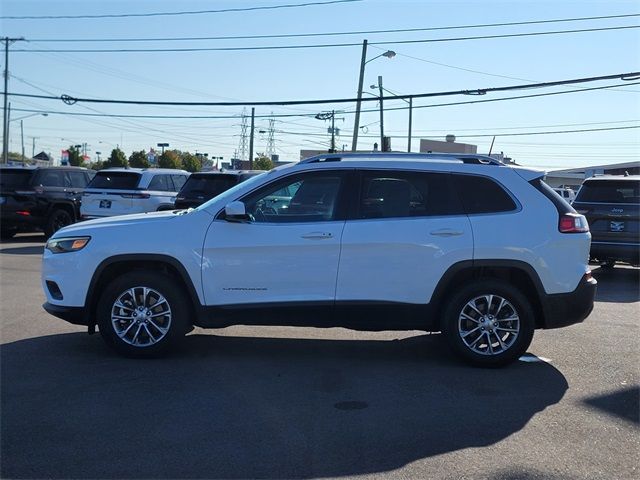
[169, 159]
[262, 163]
[97, 165]
[75, 158]
[116, 159]
[139, 160]
[191, 163]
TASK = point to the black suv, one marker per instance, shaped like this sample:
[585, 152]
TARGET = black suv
[203, 186]
[41, 198]
[611, 204]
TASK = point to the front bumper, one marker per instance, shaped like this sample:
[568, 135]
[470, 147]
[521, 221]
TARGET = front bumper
[75, 315]
[565, 309]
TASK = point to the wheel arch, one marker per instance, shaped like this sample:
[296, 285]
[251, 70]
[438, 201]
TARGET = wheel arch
[112, 267]
[68, 207]
[517, 273]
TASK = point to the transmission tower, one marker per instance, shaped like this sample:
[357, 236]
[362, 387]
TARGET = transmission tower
[271, 147]
[242, 146]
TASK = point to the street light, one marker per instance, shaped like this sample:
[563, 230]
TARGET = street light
[21, 125]
[363, 62]
[410, 102]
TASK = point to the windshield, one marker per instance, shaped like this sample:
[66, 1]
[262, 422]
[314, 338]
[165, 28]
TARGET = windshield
[10, 178]
[231, 193]
[115, 180]
[610, 191]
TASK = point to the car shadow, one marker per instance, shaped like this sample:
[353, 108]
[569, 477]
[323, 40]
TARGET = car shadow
[30, 250]
[617, 285]
[238, 407]
[624, 403]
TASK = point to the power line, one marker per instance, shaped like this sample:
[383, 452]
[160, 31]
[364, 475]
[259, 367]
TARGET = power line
[166, 14]
[69, 100]
[325, 45]
[329, 34]
[289, 115]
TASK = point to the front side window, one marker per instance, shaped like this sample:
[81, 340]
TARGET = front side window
[311, 197]
[78, 179]
[406, 194]
[482, 195]
[51, 178]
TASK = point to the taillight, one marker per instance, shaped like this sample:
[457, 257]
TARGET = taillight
[24, 213]
[573, 223]
[135, 195]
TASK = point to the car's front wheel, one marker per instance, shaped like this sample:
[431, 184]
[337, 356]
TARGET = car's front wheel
[57, 219]
[488, 323]
[143, 313]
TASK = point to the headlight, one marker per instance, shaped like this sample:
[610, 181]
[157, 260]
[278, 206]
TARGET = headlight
[68, 244]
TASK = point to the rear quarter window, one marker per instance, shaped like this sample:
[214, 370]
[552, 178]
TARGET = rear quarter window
[115, 180]
[482, 195]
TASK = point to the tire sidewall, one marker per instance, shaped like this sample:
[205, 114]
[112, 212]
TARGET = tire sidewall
[487, 287]
[50, 227]
[168, 288]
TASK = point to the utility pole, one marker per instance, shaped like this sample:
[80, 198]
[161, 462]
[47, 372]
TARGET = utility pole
[356, 123]
[253, 117]
[33, 146]
[22, 139]
[5, 129]
[382, 147]
[410, 118]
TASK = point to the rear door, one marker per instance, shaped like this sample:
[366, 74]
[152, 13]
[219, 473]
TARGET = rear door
[406, 230]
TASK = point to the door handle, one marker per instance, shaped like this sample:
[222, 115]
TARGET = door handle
[446, 232]
[317, 236]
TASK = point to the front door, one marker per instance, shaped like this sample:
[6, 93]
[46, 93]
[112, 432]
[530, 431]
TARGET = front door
[287, 252]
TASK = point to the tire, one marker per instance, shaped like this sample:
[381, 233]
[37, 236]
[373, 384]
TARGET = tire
[468, 323]
[130, 327]
[57, 219]
[608, 265]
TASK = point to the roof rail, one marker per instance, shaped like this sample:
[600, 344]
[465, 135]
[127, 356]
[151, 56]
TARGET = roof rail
[460, 157]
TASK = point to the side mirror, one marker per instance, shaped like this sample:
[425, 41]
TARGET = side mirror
[236, 212]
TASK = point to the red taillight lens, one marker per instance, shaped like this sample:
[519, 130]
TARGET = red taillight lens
[573, 223]
[24, 213]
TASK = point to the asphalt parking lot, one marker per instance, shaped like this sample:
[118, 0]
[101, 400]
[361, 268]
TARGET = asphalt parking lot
[267, 402]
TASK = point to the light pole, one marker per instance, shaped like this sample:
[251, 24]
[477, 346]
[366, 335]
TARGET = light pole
[363, 62]
[410, 102]
[382, 144]
[162, 146]
[21, 125]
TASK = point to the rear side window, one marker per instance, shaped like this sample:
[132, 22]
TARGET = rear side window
[51, 178]
[208, 185]
[115, 180]
[385, 194]
[78, 179]
[178, 181]
[482, 195]
[10, 178]
[161, 183]
[609, 191]
[562, 206]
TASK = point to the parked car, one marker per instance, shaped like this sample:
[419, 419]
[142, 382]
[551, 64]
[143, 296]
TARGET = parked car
[567, 193]
[462, 244]
[203, 186]
[611, 204]
[122, 191]
[40, 198]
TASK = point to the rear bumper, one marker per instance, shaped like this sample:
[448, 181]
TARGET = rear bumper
[565, 309]
[75, 315]
[627, 252]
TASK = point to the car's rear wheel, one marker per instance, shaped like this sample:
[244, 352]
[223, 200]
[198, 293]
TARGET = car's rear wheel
[57, 219]
[488, 323]
[143, 313]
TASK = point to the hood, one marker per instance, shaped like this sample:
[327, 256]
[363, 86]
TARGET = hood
[86, 227]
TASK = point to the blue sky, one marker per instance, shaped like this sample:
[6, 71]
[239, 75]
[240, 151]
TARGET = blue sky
[326, 73]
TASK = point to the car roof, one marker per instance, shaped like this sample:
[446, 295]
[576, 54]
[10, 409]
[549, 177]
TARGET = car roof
[405, 157]
[144, 170]
[605, 178]
[228, 172]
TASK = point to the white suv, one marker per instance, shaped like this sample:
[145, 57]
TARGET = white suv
[121, 191]
[481, 251]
